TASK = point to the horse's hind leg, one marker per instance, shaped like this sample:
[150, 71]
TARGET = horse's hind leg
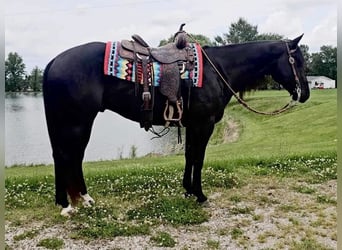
[69, 140]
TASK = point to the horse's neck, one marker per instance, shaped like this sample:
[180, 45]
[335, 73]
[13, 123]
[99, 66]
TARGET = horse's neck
[242, 64]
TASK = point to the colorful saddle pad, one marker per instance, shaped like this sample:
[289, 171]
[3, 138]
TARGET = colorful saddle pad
[122, 68]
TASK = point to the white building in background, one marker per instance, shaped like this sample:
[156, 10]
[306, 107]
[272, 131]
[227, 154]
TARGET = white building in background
[321, 82]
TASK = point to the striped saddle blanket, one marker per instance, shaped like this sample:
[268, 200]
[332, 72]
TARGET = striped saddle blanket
[115, 65]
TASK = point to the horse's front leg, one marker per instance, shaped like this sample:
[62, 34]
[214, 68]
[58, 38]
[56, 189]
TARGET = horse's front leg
[197, 138]
[188, 171]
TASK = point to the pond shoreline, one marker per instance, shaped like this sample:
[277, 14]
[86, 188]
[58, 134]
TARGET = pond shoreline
[113, 137]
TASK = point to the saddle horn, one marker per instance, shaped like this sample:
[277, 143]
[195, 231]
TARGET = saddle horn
[180, 38]
[181, 27]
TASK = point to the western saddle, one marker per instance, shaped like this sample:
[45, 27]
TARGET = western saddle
[175, 58]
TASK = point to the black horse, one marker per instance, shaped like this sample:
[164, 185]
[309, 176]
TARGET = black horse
[75, 90]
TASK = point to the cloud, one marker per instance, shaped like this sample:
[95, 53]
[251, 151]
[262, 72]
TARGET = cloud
[324, 33]
[283, 23]
[296, 5]
[40, 30]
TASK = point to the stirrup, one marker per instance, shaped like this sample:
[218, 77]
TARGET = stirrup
[171, 111]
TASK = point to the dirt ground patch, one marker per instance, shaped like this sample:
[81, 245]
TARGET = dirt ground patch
[264, 214]
[231, 132]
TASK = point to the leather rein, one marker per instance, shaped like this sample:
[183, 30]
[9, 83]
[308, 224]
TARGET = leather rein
[242, 102]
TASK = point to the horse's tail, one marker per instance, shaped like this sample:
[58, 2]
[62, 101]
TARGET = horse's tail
[45, 94]
[67, 178]
[45, 74]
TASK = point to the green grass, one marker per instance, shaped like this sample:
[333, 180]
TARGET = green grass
[163, 239]
[306, 129]
[51, 243]
[174, 210]
[26, 235]
[308, 244]
[236, 233]
[213, 244]
[136, 195]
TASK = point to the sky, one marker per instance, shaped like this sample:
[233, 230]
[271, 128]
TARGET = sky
[38, 30]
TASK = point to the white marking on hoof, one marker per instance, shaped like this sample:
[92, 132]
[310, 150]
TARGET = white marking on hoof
[87, 200]
[68, 211]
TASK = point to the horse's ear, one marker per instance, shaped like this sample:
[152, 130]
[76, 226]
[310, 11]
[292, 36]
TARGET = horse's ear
[296, 40]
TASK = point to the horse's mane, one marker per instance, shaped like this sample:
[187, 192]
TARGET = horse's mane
[234, 45]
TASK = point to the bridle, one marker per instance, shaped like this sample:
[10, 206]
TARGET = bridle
[242, 102]
[294, 71]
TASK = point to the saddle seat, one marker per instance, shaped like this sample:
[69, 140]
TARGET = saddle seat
[169, 53]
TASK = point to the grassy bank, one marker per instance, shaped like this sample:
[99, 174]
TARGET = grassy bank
[277, 171]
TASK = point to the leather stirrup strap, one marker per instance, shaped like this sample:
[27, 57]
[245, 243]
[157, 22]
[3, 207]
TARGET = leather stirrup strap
[146, 90]
[147, 111]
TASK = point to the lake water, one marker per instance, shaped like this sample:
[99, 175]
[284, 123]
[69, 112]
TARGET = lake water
[27, 141]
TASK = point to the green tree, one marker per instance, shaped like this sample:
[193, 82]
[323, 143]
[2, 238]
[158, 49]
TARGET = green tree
[14, 73]
[242, 31]
[201, 39]
[307, 57]
[324, 62]
[238, 32]
[35, 79]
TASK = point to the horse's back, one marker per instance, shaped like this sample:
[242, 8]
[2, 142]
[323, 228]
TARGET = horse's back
[76, 62]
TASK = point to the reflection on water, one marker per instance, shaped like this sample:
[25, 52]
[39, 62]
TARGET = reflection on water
[27, 142]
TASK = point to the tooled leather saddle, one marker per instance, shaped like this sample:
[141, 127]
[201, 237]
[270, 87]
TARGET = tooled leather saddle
[176, 57]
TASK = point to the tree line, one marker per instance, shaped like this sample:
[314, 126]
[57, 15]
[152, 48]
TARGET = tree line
[16, 77]
[319, 63]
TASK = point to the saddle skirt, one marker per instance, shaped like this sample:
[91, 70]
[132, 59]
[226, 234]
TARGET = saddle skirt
[124, 68]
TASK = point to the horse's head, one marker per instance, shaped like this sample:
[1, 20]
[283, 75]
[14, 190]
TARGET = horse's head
[289, 70]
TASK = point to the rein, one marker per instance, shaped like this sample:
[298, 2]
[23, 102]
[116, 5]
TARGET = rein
[241, 101]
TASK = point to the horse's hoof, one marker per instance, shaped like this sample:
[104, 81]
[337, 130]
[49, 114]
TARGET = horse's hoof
[87, 200]
[202, 199]
[68, 211]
